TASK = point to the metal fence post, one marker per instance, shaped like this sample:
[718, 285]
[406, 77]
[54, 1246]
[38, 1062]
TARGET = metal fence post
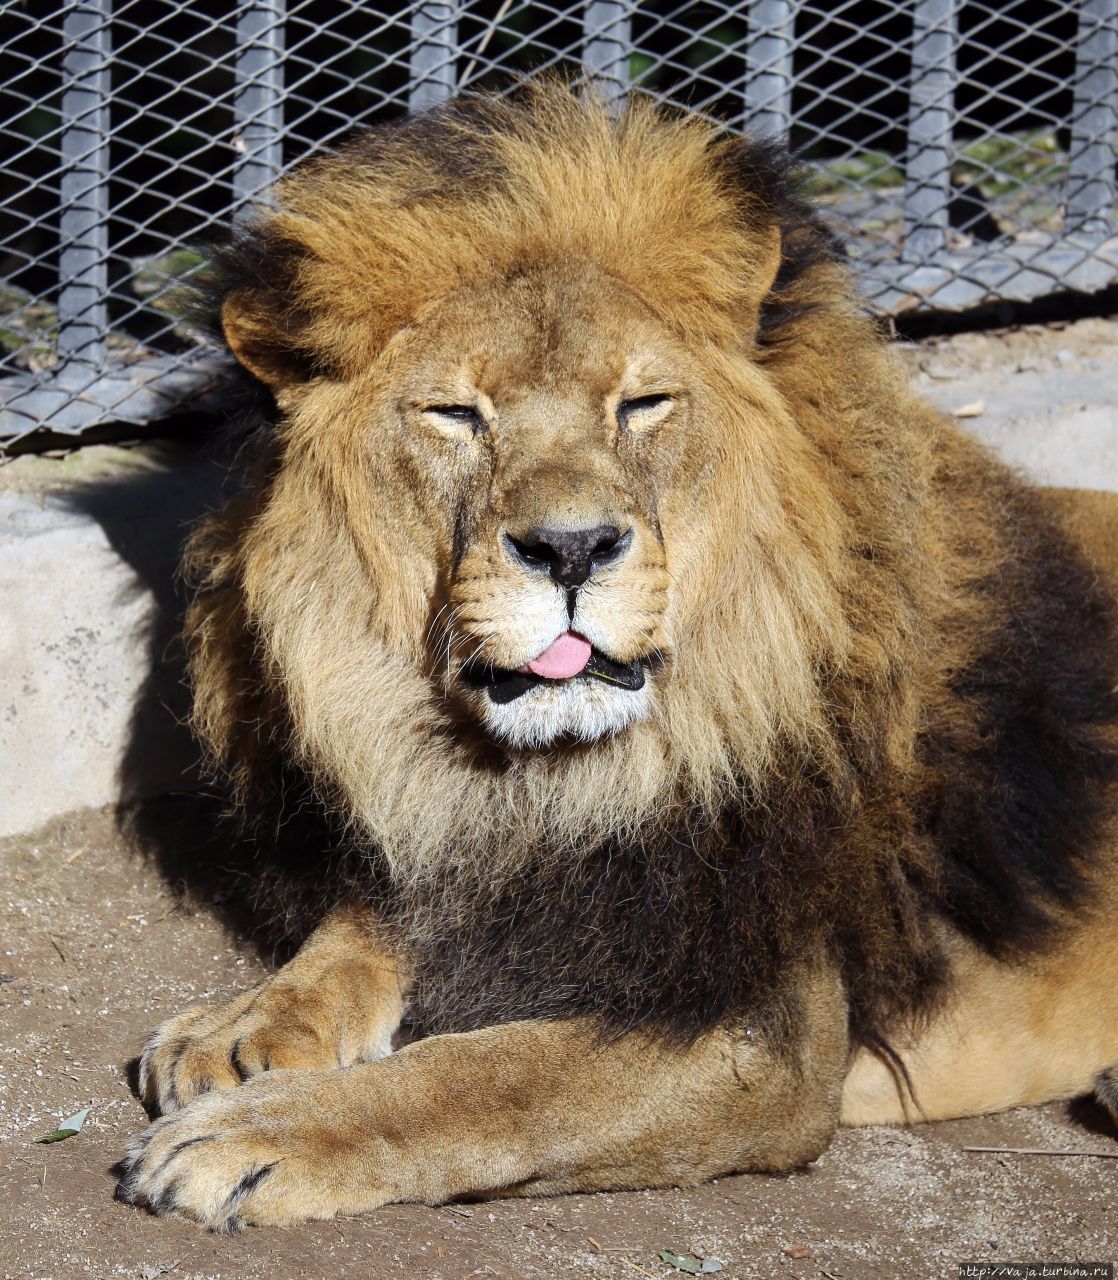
[83, 312]
[258, 102]
[607, 41]
[434, 54]
[768, 67]
[931, 125]
[1092, 191]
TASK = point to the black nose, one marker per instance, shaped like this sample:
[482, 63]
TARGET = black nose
[570, 555]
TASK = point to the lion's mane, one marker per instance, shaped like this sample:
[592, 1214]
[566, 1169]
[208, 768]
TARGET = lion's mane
[890, 718]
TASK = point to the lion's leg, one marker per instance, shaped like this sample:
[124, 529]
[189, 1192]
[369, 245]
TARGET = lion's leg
[337, 1002]
[524, 1108]
[1010, 1035]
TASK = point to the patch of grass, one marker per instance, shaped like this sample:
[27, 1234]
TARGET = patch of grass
[28, 327]
[159, 279]
[998, 165]
[1003, 164]
[873, 169]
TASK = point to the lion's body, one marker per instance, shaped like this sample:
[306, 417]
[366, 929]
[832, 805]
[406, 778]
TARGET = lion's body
[1008, 1035]
[1015, 1034]
[829, 781]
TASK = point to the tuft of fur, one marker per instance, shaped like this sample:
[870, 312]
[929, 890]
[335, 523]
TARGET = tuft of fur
[474, 189]
[887, 712]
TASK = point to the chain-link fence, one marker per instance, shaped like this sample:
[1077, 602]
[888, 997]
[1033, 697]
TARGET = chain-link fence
[965, 148]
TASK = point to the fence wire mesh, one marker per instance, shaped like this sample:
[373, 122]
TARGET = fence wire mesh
[965, 149]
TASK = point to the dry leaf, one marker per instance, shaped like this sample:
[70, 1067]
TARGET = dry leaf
[975, 409]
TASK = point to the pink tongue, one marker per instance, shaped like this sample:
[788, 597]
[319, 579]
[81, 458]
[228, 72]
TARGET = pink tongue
[564, 657]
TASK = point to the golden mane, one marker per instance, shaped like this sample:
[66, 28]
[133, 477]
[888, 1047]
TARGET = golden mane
[430, 206]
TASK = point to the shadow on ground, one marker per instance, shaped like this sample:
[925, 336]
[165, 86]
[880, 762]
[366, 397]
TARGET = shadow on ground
[147, 513]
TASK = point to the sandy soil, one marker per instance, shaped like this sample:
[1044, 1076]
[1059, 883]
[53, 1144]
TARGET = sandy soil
[97, 948]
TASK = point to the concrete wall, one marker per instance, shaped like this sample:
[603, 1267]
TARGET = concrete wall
[90, 690]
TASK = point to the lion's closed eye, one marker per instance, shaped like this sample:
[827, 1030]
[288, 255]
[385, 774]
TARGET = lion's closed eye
[457, 419]
[645, 412]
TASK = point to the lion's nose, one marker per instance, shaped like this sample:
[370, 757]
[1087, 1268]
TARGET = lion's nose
[570, 556]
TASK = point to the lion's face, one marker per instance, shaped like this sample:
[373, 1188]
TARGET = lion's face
[540, 426]
[562, 512]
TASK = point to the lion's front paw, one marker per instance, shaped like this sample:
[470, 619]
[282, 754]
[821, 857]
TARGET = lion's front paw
[279, 1025]
[275, 1152]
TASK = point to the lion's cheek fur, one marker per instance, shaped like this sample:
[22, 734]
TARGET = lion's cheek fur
[757, 608]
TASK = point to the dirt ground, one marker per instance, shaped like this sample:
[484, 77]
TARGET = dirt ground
[97, 948]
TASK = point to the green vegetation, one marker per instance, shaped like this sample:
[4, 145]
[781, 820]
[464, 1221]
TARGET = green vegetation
[1000, 165]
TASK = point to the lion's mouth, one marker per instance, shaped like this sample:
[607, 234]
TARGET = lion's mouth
[504, 686]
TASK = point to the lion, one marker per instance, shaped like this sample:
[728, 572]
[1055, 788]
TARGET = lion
[632, 685]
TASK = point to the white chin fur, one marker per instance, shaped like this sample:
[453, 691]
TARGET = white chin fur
[581, 709]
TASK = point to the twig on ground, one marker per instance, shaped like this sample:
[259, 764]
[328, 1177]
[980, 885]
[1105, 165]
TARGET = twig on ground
[643, 1272]
[1044, 1151]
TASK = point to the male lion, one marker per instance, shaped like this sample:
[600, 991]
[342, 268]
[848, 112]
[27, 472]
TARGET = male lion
[699, 734]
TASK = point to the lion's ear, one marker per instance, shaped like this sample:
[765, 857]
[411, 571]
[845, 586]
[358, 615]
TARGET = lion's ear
[771, 256]
[253, 339]
[770, 242]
